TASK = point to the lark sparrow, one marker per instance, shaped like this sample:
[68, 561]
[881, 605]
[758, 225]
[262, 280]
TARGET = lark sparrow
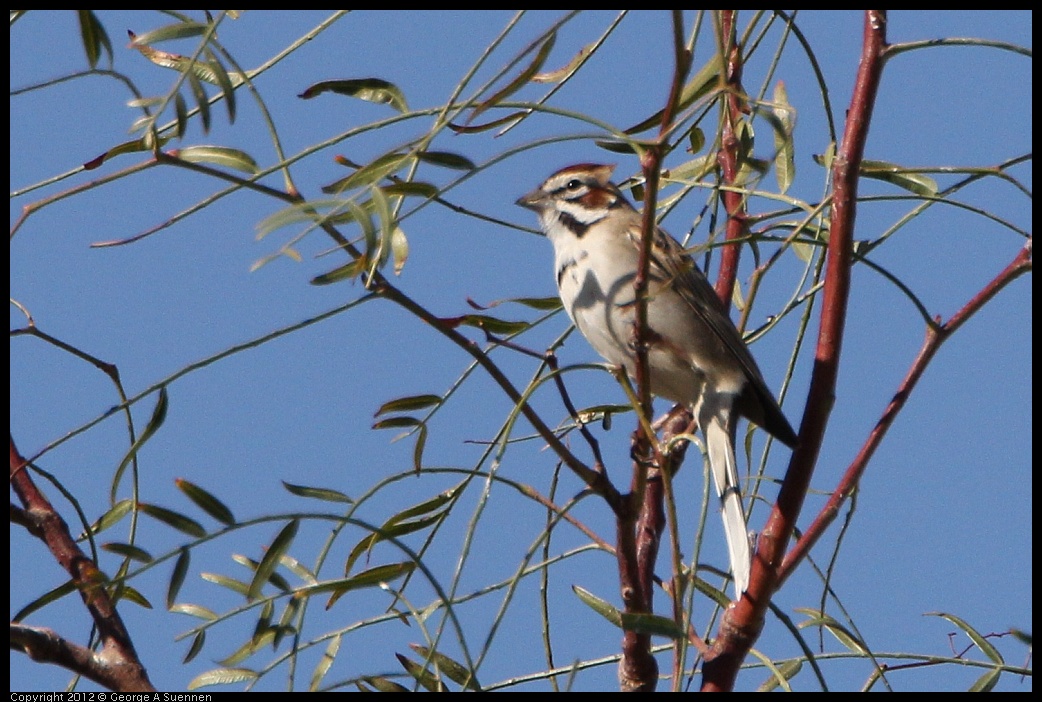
[696, 355]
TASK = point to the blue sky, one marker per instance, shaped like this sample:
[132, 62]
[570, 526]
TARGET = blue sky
[943, 518]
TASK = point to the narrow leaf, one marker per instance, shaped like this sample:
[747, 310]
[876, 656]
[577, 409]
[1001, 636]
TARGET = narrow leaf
[222, 676]
[785, 152]
[412, 402]
[219, 156]
[454, 671]
[326, 494]
[399, 249]
[158, 417]
[414, 188]
[45, 599]
[177, 520]
[918, 183]
[986, 682]
[194, 610]
[382, 684]
[417, 450]
[368, 89]
[177, 578]
[520, 80]
[651, 624]
[94, 37]
[368, 174]
[601, 607]
[476, 128]
[179, 30]
[206, 501]
[224, 581]
[446, 159]
[367, 578]
[131, 594]
[112, 516]
[425, 677]
[197, 645]
[975, 636]
[565, 70]
[397, 423]
[349, 271]
[130, 551]
[395, 530]
[271, 558]
[325, 663]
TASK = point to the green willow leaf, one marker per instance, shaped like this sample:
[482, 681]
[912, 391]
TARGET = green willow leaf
[412, 402]
[315, 493]
[222, 676]
[267, 565]
[177, 578]
[220, 156]
[156, 421]
[368, 89]
[198, 641]
[520, 80]
[130, 551]
[206, 501]
[446, 159]
[453, 670]
[182, 523]
[94, 37]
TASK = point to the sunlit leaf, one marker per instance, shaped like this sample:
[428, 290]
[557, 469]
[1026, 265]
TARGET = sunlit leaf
[975, 636]
[220, 156]
[325, 663]
[178, 30]
[368, 89]
[785, 152]
[94, 37]
[601, 607]
[368, 174]
[222, 676]
[224, 581]
[399, 249]
[367, 578]
[194, 610]
[453, 670]
[112, 516]
[565, 70]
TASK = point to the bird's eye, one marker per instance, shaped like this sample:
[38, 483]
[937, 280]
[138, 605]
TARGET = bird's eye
[574, 184]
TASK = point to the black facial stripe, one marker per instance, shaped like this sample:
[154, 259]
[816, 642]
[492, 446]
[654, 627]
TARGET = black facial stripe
[574, 226]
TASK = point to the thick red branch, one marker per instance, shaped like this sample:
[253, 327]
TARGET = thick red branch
[116, 665]
[743, 620]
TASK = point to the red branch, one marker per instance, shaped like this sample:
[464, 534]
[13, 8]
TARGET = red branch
[727, 157]
[116, 665]
[935, 336]
[743, 620]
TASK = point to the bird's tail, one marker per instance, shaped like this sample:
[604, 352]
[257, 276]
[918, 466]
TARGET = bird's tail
[720, 447]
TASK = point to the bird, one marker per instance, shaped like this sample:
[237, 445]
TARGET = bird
[696, 355]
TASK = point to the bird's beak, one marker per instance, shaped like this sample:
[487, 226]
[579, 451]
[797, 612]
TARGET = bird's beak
[532, 201]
